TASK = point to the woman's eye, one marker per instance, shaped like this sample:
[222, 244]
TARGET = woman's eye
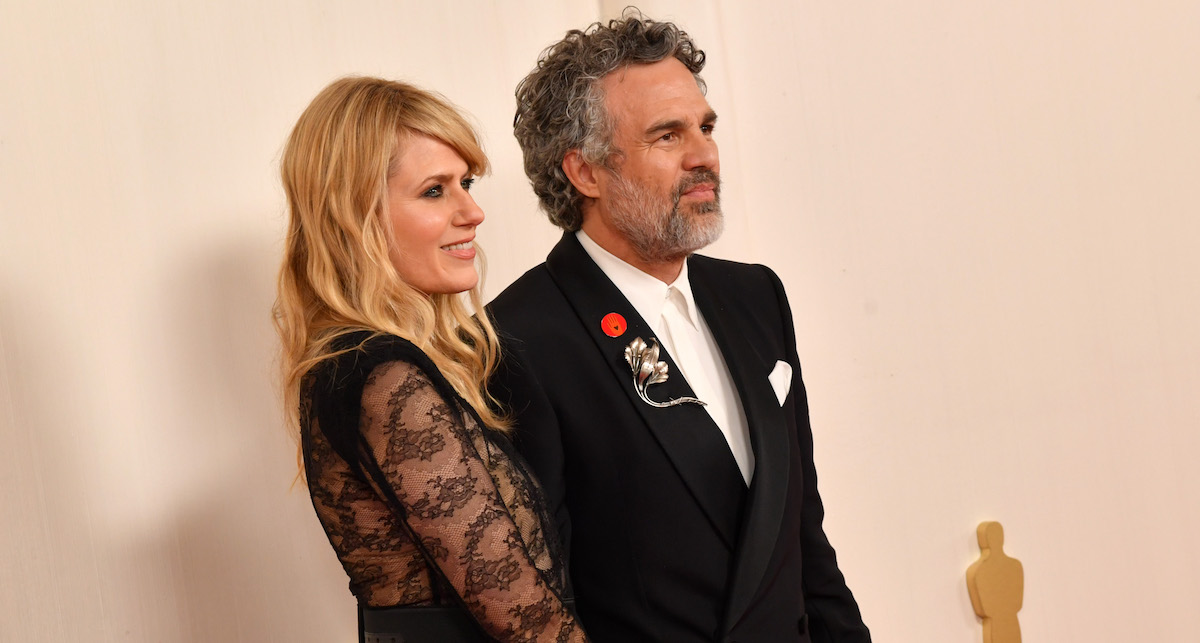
[433, 192]
[467, 183]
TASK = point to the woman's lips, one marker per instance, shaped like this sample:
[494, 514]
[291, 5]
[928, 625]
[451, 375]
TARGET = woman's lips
[461, 250]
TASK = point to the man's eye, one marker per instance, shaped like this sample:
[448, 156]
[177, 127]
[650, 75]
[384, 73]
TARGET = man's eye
[467, 183]
[707, 129]
[669, 136]
[433, 192]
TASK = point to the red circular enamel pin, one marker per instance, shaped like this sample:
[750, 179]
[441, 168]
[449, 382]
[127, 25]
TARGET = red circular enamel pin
[613, 325]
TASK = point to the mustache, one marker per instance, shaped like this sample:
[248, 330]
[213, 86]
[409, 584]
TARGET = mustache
[694, 178]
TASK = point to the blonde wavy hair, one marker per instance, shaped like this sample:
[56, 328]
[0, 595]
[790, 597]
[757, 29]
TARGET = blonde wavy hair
[336, 276]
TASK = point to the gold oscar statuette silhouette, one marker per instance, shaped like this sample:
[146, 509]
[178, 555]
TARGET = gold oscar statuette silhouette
[996, 584]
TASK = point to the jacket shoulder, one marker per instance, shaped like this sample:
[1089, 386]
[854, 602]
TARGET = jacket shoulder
[750, 278]
[527, 288]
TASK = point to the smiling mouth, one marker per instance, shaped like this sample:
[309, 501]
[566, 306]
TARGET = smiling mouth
[464, 250]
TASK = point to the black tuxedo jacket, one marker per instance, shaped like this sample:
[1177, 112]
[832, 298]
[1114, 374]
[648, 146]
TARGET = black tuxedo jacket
[666, 542]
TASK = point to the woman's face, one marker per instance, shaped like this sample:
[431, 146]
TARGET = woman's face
[433, 217]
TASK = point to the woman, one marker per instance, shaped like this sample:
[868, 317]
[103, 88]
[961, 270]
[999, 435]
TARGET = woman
[434, 518]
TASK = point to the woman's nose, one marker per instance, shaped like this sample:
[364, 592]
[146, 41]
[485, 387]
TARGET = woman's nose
[469, 212]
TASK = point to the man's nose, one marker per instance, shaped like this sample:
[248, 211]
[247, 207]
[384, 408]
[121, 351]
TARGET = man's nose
[702, 153]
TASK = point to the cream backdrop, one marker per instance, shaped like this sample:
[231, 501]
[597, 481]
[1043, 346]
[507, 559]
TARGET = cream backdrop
[986, 215]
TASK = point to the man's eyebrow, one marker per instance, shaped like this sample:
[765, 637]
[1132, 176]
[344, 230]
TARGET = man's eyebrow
[663, 126]
[676, 123]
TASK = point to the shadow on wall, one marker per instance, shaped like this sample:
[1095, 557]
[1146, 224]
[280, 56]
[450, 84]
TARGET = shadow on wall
[55, 557]
[192, 532]
[253, 563]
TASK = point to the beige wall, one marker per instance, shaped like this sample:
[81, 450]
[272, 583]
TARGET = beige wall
[985, 215]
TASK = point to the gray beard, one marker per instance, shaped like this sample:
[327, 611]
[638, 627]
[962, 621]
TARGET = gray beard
[655, 227]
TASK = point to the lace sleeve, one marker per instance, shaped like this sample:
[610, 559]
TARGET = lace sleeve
[433, 467]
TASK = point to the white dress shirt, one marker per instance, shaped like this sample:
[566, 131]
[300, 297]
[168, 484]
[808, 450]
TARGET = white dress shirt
[680, 329]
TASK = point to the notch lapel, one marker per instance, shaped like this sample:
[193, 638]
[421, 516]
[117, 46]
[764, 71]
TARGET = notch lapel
[766, 503]
[691, 440]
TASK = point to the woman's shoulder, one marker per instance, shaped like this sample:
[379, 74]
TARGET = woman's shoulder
[364, 357]
[364, 345]
[362, 362]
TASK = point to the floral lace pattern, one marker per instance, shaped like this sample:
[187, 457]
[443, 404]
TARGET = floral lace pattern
[451, 486]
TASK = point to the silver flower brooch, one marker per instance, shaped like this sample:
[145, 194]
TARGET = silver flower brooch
[647, 370]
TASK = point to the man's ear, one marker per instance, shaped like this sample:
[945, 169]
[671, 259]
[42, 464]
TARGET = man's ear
[581, 174]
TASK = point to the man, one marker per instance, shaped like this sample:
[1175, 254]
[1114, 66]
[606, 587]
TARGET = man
[687, 521]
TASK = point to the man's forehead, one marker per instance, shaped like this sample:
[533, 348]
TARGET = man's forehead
[645, 89]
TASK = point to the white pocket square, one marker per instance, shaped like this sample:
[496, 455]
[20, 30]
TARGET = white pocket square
[781, 380]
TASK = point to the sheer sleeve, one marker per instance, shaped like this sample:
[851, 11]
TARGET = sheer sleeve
[435, 464]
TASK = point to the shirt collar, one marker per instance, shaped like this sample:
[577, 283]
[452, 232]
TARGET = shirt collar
[647, 294]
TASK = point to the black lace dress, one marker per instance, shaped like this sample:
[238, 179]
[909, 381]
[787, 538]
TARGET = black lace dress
[422, 504]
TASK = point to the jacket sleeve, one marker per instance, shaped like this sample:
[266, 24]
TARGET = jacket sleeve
[833, 614]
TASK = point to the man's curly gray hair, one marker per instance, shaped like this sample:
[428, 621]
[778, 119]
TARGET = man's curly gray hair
[560, 104]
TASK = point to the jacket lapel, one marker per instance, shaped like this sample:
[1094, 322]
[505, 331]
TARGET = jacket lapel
[767, 499]
[686, 432]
